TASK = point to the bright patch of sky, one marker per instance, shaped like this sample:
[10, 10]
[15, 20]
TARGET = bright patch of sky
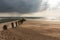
[54, 4]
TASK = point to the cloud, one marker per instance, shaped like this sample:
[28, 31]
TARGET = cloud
[21, 6]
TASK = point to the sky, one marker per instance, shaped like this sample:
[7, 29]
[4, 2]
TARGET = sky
[29, 8]
[53, 3]
[52, 11]
[21, 6]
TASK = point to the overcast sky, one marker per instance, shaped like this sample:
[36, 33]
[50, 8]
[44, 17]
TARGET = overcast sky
[21, 6]
[26, 6]
[29, 7]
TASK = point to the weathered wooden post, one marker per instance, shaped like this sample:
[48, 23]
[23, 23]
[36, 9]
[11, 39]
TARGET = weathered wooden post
[12, 24]
[5, 27]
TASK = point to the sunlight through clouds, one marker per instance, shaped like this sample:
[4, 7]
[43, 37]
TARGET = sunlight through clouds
[53, 3]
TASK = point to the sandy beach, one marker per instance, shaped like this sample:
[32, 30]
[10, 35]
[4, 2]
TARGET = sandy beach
[33, 30]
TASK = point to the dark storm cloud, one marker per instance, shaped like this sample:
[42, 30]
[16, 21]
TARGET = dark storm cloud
[22, 6]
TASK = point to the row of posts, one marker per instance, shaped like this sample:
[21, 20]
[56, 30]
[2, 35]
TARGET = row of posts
[12, 24]
[17, 24]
